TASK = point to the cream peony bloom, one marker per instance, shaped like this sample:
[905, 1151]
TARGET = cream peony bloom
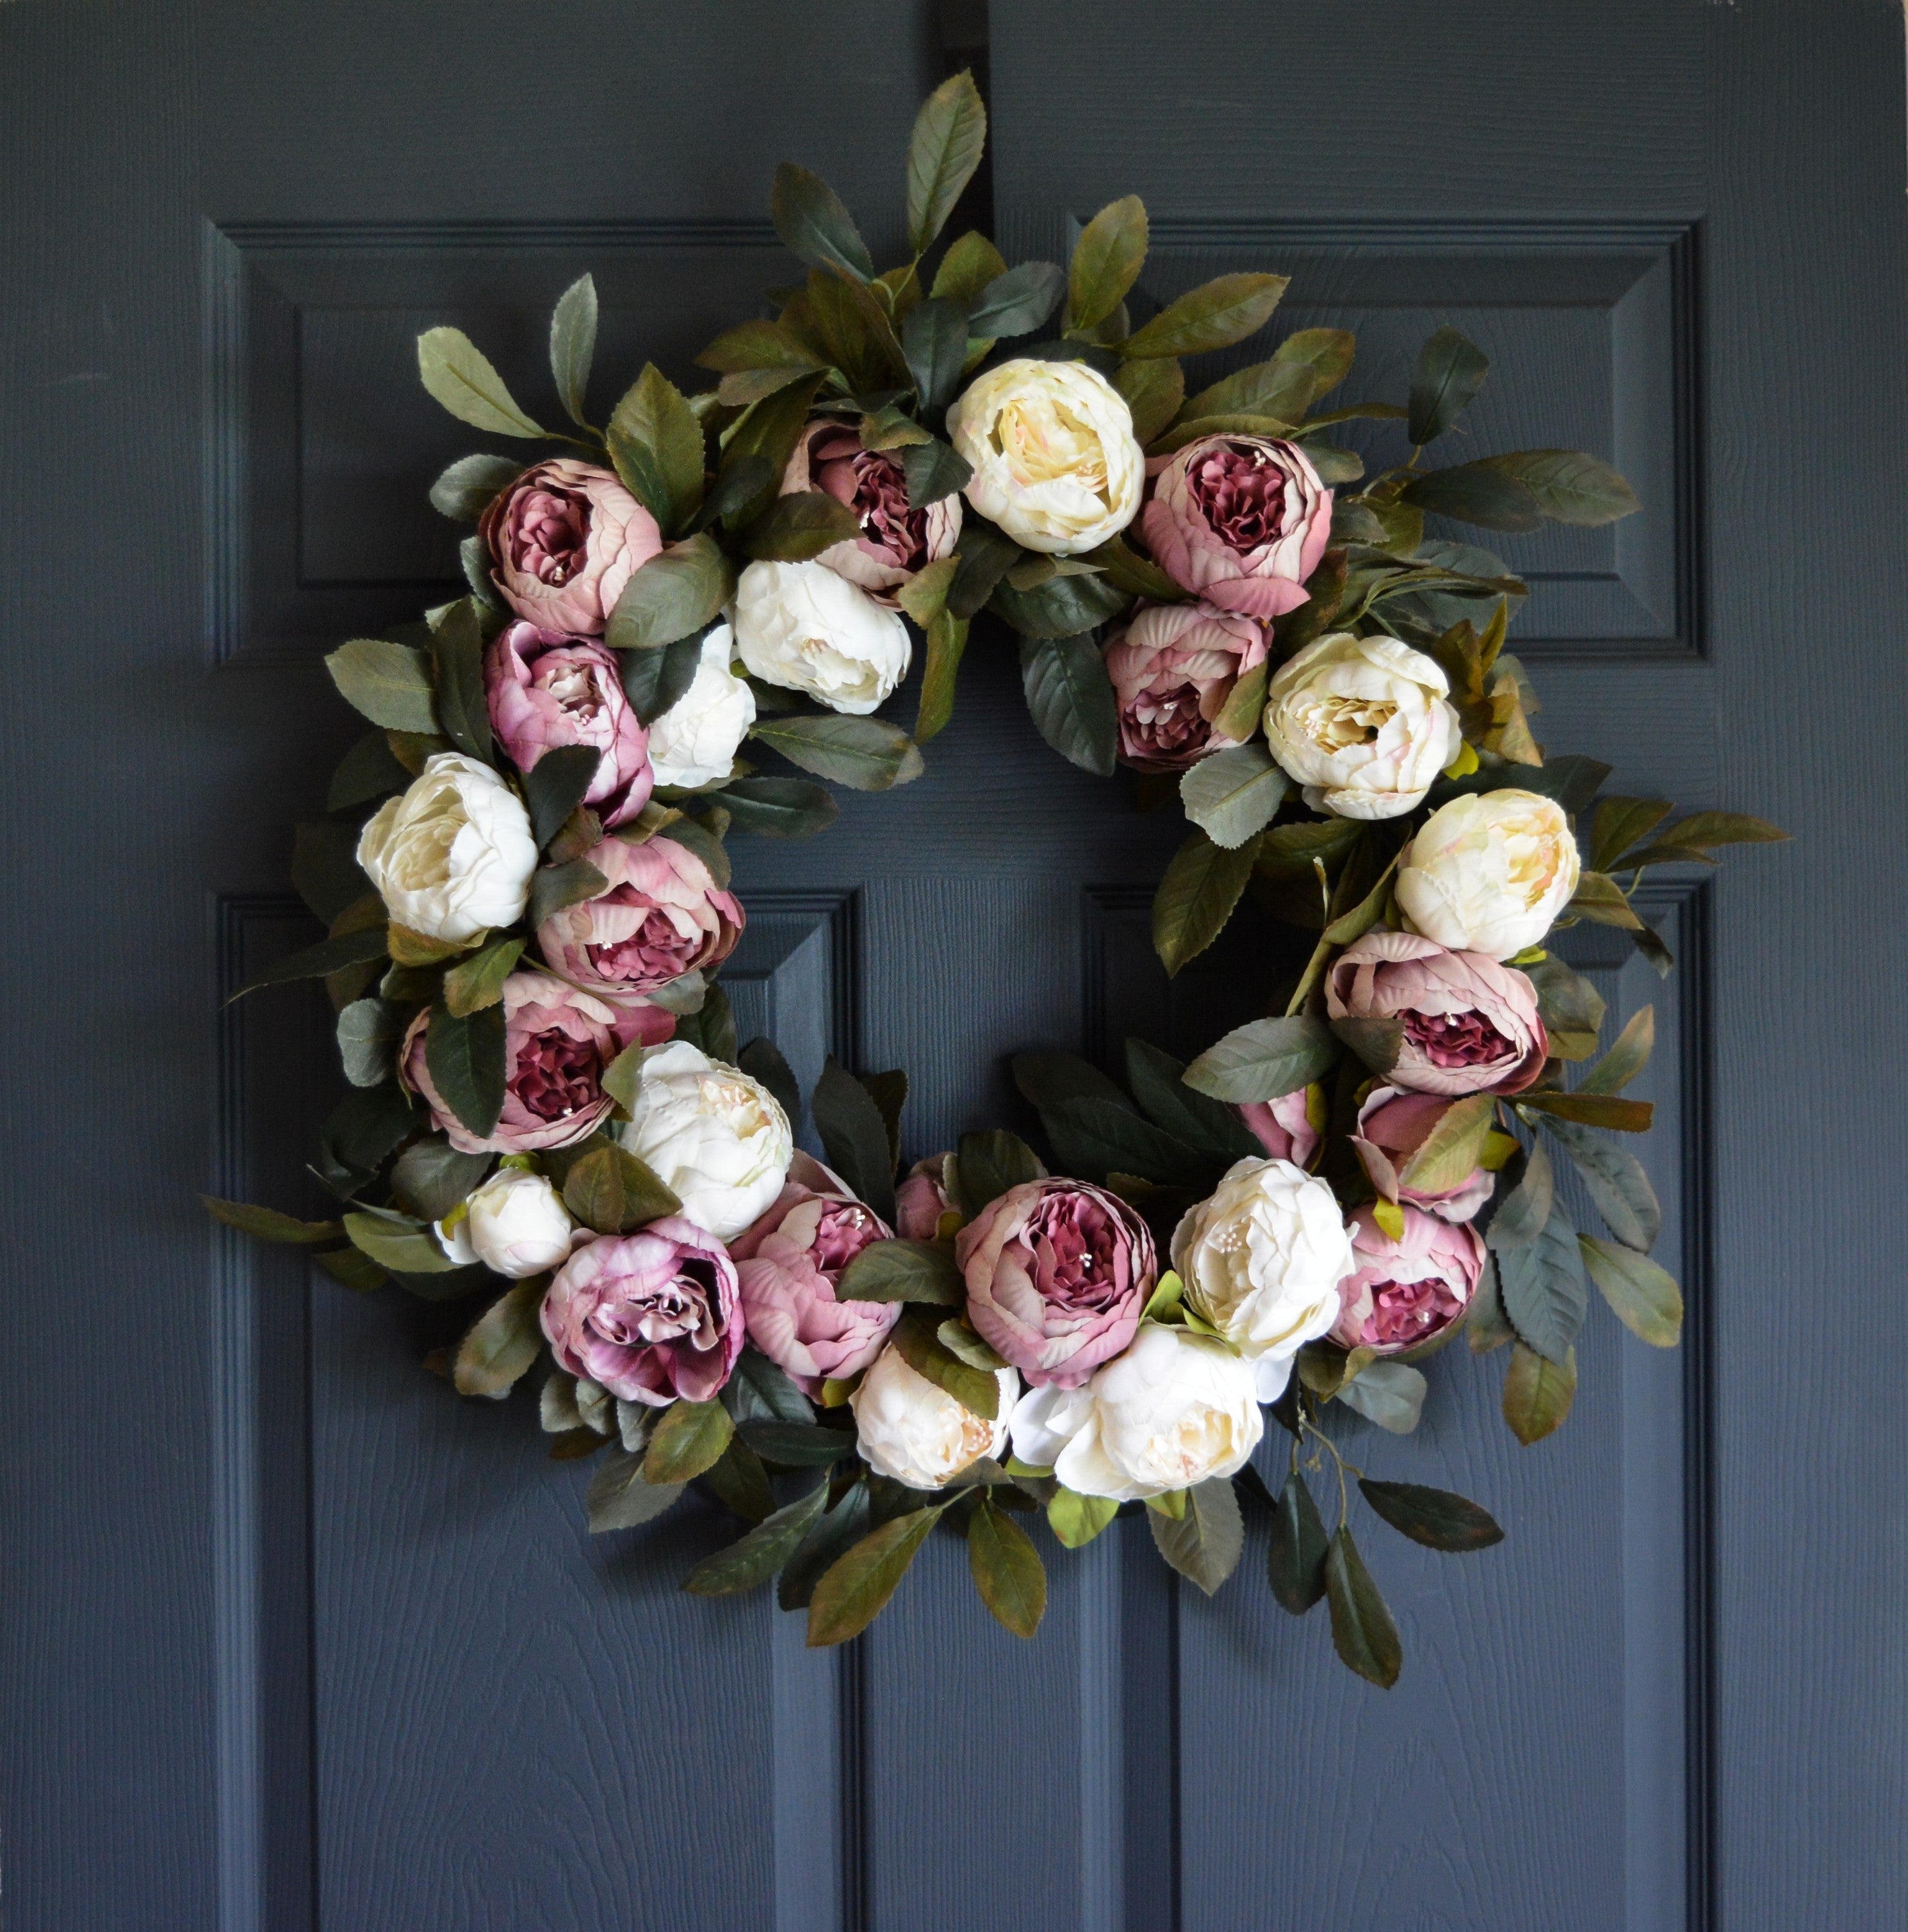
[1175, 1409]
[452, 856]
[1488, 872]
[1362, 724]
[1261, 1260]
[516, 1224]
[1055, 464]
[718, 1140]
[806, 628]
[913, 1430]
[694, 742]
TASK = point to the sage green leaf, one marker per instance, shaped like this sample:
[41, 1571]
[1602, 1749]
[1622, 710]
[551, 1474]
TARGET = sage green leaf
[1593, 1110]
[1264, 1059]
[1362, 1633]
[961, 1341]
[573, 345]
[1569, 486]
[865, 753]
[687, 1439]
[1106, 261]
[621, 1497]
[933, 340]
[1542, 1287]
[1281, 388]
[988, 1163]
[1537, 1393]
[267, 1224]
[914, 1336]
[758, 1555]
[1007, 1569]
[944, 151]
[328, 956]
[855, 1137]
[1453, 1150]
[431, 1177]
[464, 1055]
[1154, 387]
[457, 375]
[777, 807]
[1620, 823]
[1377, 1042]
[1450, 371]
[797, 1445]
[457, 656]
[368, 1032]
[673, 596]
[612, 1192]
[1571, 1009]
[464, 490]
[972, 261]
[799, 526]
[1196, 897]
[1327, 353]
[1232, 795]
[1077, 1519]
[1521, 1215]
[850, 326]
[947, 640]
[396, 1243]
[1475, 493]
[1616, 1183]
[1159, 1084]
[815, 225]
[502, 1345]
[1389, 1394]
[853, 1591]
[353, 1270]
[553, 887]
[1627, 1056]
[1017, 302]
[1295, 1563]
[762, 1060]
[1436, 1518]
[388, 683]
[933, 471]
[1485, 1327]
[1205, 1542]
[654, 425]
[1070, 699]
[1645, 1295]
[1213, 316]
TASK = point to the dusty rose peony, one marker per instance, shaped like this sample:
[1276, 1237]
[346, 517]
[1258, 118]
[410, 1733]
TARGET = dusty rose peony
[1470, 1024]
[564, 539]
[1173, 668]
[1057, 1273]
[788, 1264]
[1240, 520]
[545, 689]
[556, 1042]
[660, 916]
[1393, 1125]
[651, 1315]
[923, 1198]
[895, 540]
[1283, 1127]
[1404, 1292]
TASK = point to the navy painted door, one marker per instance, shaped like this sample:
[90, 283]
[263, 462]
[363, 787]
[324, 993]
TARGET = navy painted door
[294, 1641]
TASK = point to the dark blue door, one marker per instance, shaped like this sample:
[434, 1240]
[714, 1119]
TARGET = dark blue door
[295, 1641]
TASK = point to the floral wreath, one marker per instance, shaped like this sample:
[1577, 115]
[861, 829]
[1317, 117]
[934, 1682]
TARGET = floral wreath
[525, 882]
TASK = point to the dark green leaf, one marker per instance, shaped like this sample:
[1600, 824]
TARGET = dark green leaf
[1626, 1058]
[761, 1059]
[1543, 1288]
[815, 225]
[1070, 698]
[388, 683]
[903, 1271]
[329, 955]
[656, 444]
[990, 1162]
[985, 556]
[760, 1554]
[620, 1497]
[1046, 1078]
[1436, 1518]
[777, 807]
[970, 263]
[757, 344]
[502, 1344]
[1537, 1393]
[1095, 1137]
[267, 1224]
[1569, 486]
[1620, 823]
[1475, 493]
[554, 787]
[1451, 370]
[944, 151]
[933, 471]
[1017, 302]
[432, 1177]
[1594, 1110]
[1571, 780]
[1617, 1186]
[797, 1445]
[368, 770]
[355, 1270]
[1485, 1327]
[1007, 1569]
[1571, 1009]
[553, 887]
[799, 526]
[741, 1483]
[1213, 316]
[463, 492]
[455, 373]
[673, 596]
[465, 1056]
[853, 1591]
[1599, 897]
[915, 1339]
[759, 1391]
[865, 753]
[368, 1032]
[844, 1525]
[653, 681]
[888, 1091]
[1279, 389]
[1377, 1042]
[1205, 1544]
[1232, 795]
[933, 338]
[612, 1192]
[1201, 886]
[573, 345]
[324, 866]
[457, 651]
[855, 1137]
[1645, 1296]
[1521, 1215]
[687, 1439]
[1153, 389]
[712, 1028]
[1362, 1633]
[1264, 1059]
[1295, 1565]
[361, 1132]
[1106, 261]
[1159, 1084]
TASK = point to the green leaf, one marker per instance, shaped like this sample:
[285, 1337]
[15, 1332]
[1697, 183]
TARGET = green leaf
[855, 1136]
[1213, 316]
[933, 471]
[853, 1591]
[1046, 1077]
[1436, 1518]
[797, 1445]
[388, 683]
[1599, 897]
[944, 151]
[1645, 1295]
[762, 1060]
[815, 225]
[712, 1027]
[865, 753]
[1537, 1393]
[1703, 829]
[1362, 1633]
[1593, 1110]
[1453, 1150]
[1070, 699]
[1264, 1059]
[741, 1483]
[573, 345]
[1107, 259]
[655, 681]
[353, 1270]
[1017, 302]
[620, 1498]
[1569, 486]
[361, 1132]
[1201, 886]
[612, 1192]
[984, 557]
[758, 1390]
[1571, 1009]
[758, 1555]
[502, 1344]
[799, 526]
[1616, 1183]
[1196, 429]
[395, 1243]
[688, 1438]
[553, 887]
[656, 442]
[1543, 1288]
[1077, 1519]
[1153, 389]
[1450, 371]
[923, 1351]
[458, 652]
[1620, 823]
[324, 866]
[1007, 1570]
[970, 263]
[1279, 389]
[1627, 1058]
[1485, 1327]
[457, 376]
[368, 771]
[838, 1531]
[328, 956]
[1377, 1042]
[1159, 1084]
[1232, 795]
[1205, 1544]
[1475, 493]
[1098, 1137]
[947, 640]
[989, 1163]
[267, 1224]
[432, 1177]
[777, 807]
[674, 595]
[1389, 1394]
[757, 344]
[759, 443]
[1327, 353]
[1295, 1563]
[933, 340]
[368, 1032]
[1522, 1214]
[464, 1054]
[463, 491]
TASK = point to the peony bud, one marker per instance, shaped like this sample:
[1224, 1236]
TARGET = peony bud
[517, 1224]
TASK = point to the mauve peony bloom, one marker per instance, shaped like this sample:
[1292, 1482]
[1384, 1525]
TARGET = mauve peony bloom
[1470, 1024]
[650, 1316]
[895, 540]
[1283, 1127]
[1393, 1125]
[545, 689]
[1057, 1273]
[1240, 520]
[923, 1198]
[564, 539]
[556, 1042]
[1173, 668]
[661, 915]
[788, 1264]
[1403, 1292]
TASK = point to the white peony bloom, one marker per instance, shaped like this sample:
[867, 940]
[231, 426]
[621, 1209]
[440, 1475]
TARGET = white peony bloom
[1262, 1259]
[806, 628]
[1176, 1409]
[718, 1140]
[516, 1224]
[913, 1430]
[1362, 724]
[452, 856]
[1055, 463]
[694, 743]
[1488, 872]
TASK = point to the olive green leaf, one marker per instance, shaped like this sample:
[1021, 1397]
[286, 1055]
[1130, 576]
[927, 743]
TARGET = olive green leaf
[799, 526]
[1007, 1570]
[1106, 261]
[944, 151]
[777, 807]
[1593, 1110]
[923, 1351]
[687, 1440]
[1077, 1519]
[1154, 388]
[758, 1555]
[1569, 486]
[395, 1243]
[478, 982]
[612, 1192]
[621, 1497]
[1264, 1059]
[457, 375]
[990, 1162]
[1451, 1153]
[656, 442]
[267, 1224]
[1436, 1518]
[1476, 493]
[947, 641]
[1202, 884]
[865, 753]
[853, 1590]
[1537, 1393]
[1644, 1295]
[970, 263]
[1450, 371]
[502, 1344]
[1213, 316]
[903, 1271]
[1628, 1056]
[1362, 1633]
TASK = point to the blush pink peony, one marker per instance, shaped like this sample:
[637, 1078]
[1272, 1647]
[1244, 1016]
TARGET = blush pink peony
[1172, 668]
[1401, 1293]
[1283, 1127]
[1393, 1125]
[896, 539]
[564, 538]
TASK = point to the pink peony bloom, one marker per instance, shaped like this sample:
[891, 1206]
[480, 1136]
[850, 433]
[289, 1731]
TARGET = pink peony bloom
[1470, 1024]
[1173, 668]
[923, 1198]
[788, 1264]
[895, 540]
[1283, 1127]
[545, 689]
[1240, 520]
[650, 1316]
[556, 1042]
[1405, 1292]
[1392, 1126]
[564, 539]
[661, 915]
[1057, 1273]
